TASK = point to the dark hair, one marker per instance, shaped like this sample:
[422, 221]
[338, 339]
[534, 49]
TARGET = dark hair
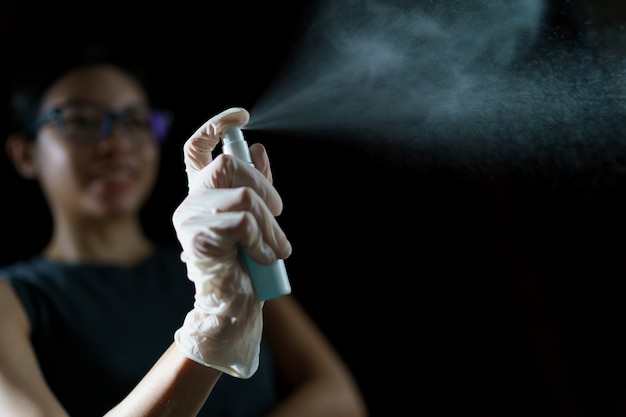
[35, 73]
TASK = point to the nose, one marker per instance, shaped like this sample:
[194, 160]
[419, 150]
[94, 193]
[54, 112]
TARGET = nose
[115, 133]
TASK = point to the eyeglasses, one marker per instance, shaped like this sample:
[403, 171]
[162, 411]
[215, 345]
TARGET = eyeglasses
[83, 122]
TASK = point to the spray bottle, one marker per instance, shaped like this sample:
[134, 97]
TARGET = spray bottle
[269, 281]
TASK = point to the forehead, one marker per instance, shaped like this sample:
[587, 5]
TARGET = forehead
[103, 84]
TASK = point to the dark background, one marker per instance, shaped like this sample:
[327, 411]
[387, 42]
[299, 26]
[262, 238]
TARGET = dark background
[449, 290]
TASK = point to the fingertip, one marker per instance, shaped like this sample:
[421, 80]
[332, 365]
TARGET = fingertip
[233, 116]
[260, 158]
[244, 116]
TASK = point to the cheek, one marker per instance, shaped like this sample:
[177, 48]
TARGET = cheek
[149, 164]
[55, 163]
[150, 157]
[58, 171]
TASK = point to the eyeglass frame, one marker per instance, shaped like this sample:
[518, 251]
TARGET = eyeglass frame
[108, 122]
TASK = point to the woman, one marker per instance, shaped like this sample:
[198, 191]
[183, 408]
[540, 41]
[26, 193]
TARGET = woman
[87, 326]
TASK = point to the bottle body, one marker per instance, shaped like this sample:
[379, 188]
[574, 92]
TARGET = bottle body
[269, 281]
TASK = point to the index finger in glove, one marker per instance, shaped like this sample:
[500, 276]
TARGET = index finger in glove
[199, 147]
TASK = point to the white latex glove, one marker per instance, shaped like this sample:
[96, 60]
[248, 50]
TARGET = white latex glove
[230, 203]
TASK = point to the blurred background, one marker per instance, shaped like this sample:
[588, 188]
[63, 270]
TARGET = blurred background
[453, 176]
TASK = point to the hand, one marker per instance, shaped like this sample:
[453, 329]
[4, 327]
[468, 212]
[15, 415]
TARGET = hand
[230, 203]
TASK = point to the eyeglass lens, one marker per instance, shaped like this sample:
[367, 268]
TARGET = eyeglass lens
[83, 123]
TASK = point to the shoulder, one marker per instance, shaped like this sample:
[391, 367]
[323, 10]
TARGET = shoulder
[11, 309]
[21, 269]
[18, 283]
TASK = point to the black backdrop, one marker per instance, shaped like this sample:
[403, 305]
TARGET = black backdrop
[450, 291]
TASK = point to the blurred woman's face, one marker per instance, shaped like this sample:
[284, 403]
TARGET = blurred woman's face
[89, 163]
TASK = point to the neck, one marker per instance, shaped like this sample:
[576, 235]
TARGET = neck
[119, 241]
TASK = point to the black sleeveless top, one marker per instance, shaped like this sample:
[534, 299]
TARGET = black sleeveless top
[98, 329]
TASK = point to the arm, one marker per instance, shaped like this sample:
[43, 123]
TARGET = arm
[23, 390]
[175, 386]
[320, 384]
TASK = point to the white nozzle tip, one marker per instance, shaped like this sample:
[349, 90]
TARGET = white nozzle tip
[232, 134]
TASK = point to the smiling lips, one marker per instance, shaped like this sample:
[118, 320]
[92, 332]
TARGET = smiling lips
[115, 177]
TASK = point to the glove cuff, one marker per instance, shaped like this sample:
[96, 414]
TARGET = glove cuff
[239, 359]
